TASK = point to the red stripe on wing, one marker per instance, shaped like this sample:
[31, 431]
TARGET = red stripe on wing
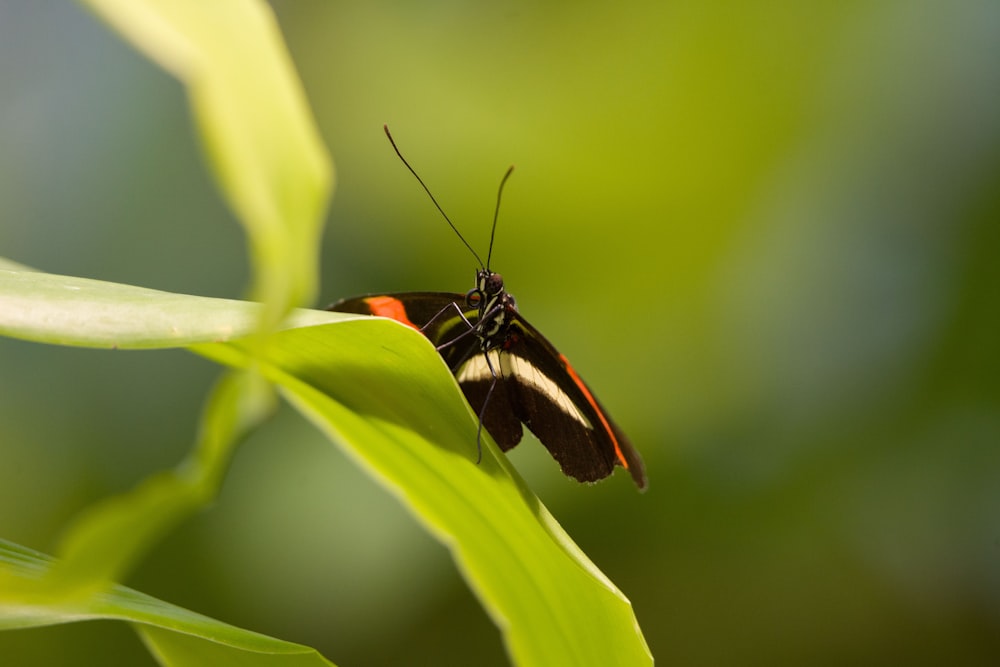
[391, 307]
[600, 413]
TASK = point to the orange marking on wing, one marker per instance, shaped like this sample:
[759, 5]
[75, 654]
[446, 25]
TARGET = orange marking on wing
[387, 306]
[597, 409]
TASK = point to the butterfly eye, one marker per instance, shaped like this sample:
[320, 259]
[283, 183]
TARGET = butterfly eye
[494, 283]
[473, 298]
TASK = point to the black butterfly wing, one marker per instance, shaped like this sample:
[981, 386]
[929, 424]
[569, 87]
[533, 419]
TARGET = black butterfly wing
[540, 388]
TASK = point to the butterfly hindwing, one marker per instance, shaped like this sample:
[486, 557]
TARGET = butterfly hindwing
[559, 408]
[503, 414]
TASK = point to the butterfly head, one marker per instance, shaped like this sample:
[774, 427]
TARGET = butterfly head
[487, 292]
[489, 283]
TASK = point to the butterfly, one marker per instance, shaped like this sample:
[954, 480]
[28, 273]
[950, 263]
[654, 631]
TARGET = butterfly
[511, 375]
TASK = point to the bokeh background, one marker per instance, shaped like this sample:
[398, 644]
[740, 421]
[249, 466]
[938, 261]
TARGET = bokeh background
[767, 234]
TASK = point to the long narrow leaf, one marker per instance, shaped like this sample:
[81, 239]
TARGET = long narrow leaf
[184, 637]
[381, 392]
[50, 308]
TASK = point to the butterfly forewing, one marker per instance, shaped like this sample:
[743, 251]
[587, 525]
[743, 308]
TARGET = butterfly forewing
[560, 409]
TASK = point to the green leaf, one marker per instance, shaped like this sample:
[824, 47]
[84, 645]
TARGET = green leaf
[256, 126]
[382, 393]
[177, 636]
[64, 310]
[404, 419]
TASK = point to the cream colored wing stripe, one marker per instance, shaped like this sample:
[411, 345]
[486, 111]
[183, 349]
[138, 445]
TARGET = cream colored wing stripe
[524, 372]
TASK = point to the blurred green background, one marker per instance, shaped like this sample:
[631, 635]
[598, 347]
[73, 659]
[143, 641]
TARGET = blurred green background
[766, 233]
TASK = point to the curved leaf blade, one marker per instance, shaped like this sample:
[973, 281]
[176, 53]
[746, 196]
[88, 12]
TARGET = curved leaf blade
[65, 310]
[382, 393]
[184, 637]
[404, 419]
[257, 129]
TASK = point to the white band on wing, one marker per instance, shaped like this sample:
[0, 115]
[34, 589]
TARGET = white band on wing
[511, 366]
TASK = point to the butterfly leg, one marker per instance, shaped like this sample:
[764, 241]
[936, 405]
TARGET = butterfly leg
[482, 410]
[457, 338]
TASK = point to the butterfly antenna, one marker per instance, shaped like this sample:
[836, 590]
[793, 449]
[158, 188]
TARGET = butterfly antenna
[496, 213]
[428, 191]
